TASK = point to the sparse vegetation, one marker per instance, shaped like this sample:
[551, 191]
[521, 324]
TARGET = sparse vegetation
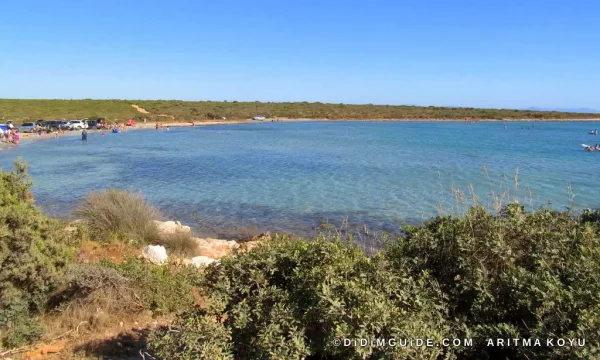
[119, 214]
[30, 110]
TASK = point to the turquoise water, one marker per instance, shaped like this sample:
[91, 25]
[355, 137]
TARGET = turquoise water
[295, 176]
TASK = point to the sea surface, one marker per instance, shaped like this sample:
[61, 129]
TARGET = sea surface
[297, 176]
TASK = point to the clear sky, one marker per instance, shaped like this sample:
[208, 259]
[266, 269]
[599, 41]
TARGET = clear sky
[480, 53]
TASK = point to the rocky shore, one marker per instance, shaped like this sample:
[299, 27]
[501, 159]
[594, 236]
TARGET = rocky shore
[209, 250]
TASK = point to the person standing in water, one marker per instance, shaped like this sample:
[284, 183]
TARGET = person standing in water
[84, 135]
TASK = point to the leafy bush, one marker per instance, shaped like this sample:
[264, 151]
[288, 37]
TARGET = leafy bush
[162, 289]
[290, 299]
[32, 258]
[516, 275]
[119, 214]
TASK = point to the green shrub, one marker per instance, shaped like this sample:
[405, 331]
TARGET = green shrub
[162, 289]
[515, 275]
[289, 300]
[32, 258]
[119, 214]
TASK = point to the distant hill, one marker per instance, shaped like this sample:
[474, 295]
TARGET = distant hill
[21, 110]
[572, 110]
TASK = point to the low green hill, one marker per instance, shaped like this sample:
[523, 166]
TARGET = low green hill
[25, 110]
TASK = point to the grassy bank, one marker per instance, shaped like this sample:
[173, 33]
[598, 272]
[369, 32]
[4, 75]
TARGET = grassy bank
[507, 274]
[159, 110]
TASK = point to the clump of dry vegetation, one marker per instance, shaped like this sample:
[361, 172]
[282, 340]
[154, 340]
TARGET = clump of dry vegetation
[179, 244]
[119, 214]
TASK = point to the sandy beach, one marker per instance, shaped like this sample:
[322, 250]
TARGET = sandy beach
[152, 124]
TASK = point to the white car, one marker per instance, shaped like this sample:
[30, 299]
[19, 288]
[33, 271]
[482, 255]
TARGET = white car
[76, 125]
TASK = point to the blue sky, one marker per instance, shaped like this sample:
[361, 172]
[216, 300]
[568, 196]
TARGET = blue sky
[508, 54]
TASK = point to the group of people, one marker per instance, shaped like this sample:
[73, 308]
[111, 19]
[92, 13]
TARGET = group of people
[592, 148]
[10, 135]
[159, 126]
[593, 132]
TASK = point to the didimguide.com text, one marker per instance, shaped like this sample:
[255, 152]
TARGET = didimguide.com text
[456, 342]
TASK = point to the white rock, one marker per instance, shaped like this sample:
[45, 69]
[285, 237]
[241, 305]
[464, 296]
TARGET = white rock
[202, 261]
[156, 254]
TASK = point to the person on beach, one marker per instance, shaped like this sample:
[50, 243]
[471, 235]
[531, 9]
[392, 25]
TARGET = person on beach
[84, 135]
[1, 135]
[16, 137]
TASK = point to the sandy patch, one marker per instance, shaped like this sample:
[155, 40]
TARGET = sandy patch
[139, 109]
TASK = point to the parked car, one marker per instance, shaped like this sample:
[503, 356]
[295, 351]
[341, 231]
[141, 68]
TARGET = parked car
[76, 125]
[51, 125]
[27, 127]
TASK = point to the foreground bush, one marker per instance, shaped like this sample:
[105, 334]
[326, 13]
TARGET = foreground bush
[161, 289]
[119, 214]
[512, 276]
[290, 299]
[32, 258]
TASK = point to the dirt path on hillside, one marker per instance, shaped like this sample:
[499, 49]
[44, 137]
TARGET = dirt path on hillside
[142, 110]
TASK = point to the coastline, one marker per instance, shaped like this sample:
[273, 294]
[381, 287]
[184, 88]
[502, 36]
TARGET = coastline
[26, 137]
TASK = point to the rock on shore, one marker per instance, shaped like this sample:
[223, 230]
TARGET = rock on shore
[209, 250]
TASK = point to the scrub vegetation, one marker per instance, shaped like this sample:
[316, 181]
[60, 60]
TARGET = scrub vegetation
[507, 274]
[30, 110]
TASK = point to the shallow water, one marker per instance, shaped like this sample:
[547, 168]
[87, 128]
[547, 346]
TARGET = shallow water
[295, 176]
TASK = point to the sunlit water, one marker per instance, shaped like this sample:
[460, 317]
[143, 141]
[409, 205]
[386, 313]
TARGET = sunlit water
[295, 176]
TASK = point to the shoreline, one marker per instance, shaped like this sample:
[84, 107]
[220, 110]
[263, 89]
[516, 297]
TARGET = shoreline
[27, 137]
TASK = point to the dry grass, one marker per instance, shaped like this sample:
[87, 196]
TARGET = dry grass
[119, 214]
[179, 244]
